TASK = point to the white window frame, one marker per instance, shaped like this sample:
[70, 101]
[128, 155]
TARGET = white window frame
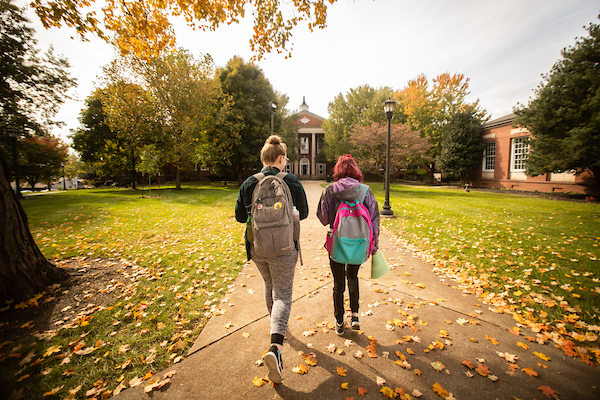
[304, 149]
[489, 156]
[321, 168]
[519, 150]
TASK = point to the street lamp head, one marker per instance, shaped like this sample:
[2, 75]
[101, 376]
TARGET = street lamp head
[273, 106]
[388, 107]
[12, 132]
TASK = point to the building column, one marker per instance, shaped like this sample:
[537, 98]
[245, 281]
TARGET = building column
[313, 156]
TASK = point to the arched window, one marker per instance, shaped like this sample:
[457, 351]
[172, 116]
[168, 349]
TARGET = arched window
[304, 167]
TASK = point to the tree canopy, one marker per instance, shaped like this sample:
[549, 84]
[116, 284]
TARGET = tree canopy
[430, 109]
[564, 116]
[143, 28]
[360, 106]
[32, 86]
[461, 145]
[251, 93]
[370, 144]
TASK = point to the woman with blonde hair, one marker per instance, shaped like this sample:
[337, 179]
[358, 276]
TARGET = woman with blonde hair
[277, 271]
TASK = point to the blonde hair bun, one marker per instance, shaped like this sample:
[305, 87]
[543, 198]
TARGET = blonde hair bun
[274, 139]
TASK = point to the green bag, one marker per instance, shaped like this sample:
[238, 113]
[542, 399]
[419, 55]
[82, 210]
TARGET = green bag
[379, 266]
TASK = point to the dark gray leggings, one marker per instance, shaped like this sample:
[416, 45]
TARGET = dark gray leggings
[278, 276]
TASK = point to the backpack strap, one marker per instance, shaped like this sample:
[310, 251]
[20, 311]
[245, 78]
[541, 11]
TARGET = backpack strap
[362, 193]
[259, 176]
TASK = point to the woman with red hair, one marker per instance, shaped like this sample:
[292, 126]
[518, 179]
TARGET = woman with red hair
[346, 187]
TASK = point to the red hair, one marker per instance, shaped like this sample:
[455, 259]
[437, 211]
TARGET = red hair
[345, 167]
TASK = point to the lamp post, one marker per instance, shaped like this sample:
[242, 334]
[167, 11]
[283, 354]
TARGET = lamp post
[388, 107]
[62, 164]
[13, 133]
[273, 107]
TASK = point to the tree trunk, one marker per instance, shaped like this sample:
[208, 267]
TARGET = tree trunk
[133, 171]
[177, 178]
[24, 271]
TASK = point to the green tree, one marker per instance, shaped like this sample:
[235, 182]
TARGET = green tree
[360, 106]
[461, 145]
[31, 91]
[41, 159]
[251, 93]
[131, 114]
[91, 140]
[430, 109]
[564, 116]
[32, 87]
[370, 146]
[149, 164]
[192, 108]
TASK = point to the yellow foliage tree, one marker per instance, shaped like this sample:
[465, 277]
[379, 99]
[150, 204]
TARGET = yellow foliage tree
[142, 28]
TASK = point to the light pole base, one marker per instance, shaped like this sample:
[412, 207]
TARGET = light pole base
[387, 212]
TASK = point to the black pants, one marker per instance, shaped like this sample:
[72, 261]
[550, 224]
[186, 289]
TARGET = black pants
[340, 273]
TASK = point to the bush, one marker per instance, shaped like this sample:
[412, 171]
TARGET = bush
[97, 183]
[127, 181]
[109, 182]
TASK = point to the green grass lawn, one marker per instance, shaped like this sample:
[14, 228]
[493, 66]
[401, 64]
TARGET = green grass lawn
[185, 248]
[532, 257]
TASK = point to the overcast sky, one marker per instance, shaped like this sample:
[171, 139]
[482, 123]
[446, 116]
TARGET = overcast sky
[503, 47]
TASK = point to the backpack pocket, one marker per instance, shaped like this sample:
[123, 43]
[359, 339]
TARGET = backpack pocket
[350, 251]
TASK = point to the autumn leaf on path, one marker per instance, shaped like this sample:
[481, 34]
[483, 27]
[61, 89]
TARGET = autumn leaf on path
[482, 370]
[529, 372]
[380, 381]
[388, 393]
[417, 393]
[541, 355]
[468, 364]
[443, 393]
[344, 385]
[331, 348]
[300, 369]
[309, 359]
[438, 366]
[547, 391]
[362, 391]
[522, 345]
[341, 371]
[258, 382]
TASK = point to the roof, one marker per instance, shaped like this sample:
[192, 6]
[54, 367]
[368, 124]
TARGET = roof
[502, 121]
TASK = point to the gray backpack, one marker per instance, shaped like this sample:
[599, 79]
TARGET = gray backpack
[272, 221]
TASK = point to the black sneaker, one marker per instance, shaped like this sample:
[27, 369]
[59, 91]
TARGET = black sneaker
[275, 365]
[355, 323]
[339, 328]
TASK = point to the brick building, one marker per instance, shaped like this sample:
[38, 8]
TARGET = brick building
[311, 162]
[503, 164]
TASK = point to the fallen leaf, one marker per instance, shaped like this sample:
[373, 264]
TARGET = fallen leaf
[547, 391]
[468, 364]
[344, 385]
[258, 382]
[300, 369]
[52, 350]
[438, 366]
[529, 372]
[331, 348]
[380, 381]
[437, 388]
[482, 370]
[388, 393]
[418, 372]
[341, 371]
[53, 391]
[417, 393]
[541, 355]
[362, 391]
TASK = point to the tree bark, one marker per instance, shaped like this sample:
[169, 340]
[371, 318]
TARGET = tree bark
[24, 271]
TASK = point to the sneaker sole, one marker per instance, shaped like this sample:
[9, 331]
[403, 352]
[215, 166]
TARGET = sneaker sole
[356, 327]
[274, 372]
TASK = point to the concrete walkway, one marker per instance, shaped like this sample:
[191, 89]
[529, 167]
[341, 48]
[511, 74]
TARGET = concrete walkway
[432, 325]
